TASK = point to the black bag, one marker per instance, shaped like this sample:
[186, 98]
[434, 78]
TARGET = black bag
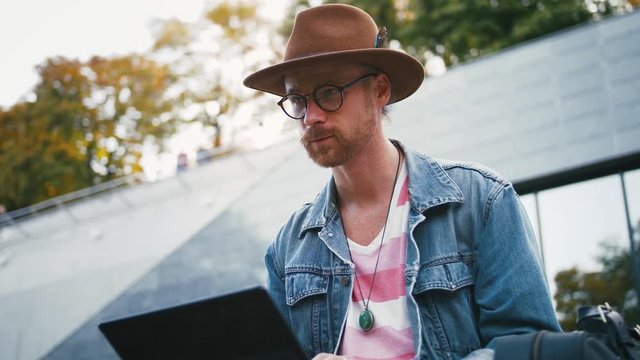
[547, 345]
[603, 335]
[609, 326]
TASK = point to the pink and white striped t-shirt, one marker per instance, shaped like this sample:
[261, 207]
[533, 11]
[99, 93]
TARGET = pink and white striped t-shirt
[391, 336]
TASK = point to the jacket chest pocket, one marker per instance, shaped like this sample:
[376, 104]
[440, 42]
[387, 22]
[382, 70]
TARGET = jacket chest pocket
[447, 274]
[306, 297]
[300, 285]
[444, 292]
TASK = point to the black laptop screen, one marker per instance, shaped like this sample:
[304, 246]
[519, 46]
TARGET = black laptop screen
[242, 325]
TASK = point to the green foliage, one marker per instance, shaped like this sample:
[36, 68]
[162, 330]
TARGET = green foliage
[233, 19]
[614, 285]
[237, 40]
[173, 34]
[87, 121]
[460, 30]
[36, 159]
[87, 124]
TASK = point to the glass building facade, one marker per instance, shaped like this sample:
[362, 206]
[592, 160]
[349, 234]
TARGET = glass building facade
[574, 221]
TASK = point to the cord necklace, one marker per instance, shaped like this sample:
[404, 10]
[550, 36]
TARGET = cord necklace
[366, 319]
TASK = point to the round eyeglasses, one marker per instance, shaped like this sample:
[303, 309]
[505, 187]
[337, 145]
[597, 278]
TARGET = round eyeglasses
[329, 98]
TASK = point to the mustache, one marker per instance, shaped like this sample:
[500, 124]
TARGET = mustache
[315, 132]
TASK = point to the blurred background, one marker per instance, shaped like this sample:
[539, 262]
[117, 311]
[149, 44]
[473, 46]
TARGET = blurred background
[137, 173]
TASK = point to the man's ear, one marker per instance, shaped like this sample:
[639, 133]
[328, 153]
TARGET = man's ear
[383, 90]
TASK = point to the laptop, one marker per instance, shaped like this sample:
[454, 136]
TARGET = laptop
[244, 325]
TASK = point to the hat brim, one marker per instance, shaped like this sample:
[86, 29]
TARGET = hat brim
[404, 71]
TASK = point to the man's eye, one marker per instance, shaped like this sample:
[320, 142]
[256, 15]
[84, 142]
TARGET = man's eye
[327, 92]
[296, 100]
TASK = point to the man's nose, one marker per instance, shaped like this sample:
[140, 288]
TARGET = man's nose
[314, 113]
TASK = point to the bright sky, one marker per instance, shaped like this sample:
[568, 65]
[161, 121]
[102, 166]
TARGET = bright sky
[576, 218]
[32, 30]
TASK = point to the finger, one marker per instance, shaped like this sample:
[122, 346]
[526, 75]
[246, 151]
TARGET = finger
[321, 356]
[325, 356]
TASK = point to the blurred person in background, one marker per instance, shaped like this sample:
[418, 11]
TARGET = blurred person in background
[182, 163]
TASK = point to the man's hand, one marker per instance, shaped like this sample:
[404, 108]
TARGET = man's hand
[325, 356]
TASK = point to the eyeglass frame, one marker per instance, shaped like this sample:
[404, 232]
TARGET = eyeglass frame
[312, 96]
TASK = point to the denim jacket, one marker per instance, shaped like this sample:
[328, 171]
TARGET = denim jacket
[472, 266]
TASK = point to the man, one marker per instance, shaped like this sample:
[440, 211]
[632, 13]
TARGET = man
[399, 256]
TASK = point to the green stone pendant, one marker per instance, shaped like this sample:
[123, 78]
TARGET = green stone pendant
[366, 320]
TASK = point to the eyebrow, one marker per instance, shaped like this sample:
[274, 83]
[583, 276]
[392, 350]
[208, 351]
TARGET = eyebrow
[296, 90]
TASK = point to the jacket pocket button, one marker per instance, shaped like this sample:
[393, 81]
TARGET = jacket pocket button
[345, 280]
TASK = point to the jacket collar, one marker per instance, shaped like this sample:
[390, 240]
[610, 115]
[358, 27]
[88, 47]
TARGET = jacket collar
[429, 186]
[429, 183]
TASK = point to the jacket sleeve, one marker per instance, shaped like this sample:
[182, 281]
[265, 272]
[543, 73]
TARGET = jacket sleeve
[511, 291]
[275, 281]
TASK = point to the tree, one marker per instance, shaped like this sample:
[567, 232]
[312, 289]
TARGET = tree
[613, 284]
[36, 161]
[87, 121]
[460, 30]
[212, 55]
[86, 124]
[130, 97]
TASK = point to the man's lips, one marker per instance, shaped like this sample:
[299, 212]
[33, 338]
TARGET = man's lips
[316, 135]
[320, 138]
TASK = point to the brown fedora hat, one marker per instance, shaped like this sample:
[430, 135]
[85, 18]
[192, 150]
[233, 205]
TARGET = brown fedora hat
[333, 35]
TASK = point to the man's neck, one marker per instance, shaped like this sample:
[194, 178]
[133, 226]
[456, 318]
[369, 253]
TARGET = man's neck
[368, 177]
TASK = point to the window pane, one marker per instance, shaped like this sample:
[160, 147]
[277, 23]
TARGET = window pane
[529, 203]
[632, 183]
[575, 219]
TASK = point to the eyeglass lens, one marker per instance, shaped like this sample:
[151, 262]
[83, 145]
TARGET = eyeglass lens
[328, 98]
